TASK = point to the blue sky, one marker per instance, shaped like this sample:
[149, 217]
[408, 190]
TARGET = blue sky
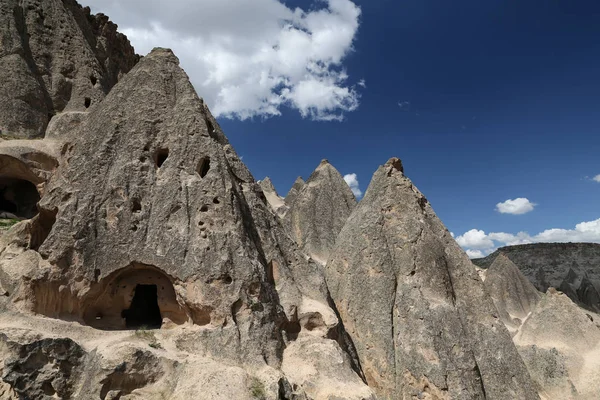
[484, 101]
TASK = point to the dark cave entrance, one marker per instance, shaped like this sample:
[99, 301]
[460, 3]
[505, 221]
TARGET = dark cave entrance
[18, 198]
[144, 310]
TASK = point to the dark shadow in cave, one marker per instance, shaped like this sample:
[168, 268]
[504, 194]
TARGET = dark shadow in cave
[18, 198]
[144, 310]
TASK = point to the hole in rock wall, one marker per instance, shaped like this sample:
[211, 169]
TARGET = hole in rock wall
[18, 199]
[87, 102]
[93, 80]
[160, 157]
[134, 297]
[203, 167]
[144, 310]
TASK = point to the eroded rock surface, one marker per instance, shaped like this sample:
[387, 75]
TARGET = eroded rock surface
[573, 268]
[276, 202]
[55, 57]
[296, 187]
[150, 220]
[422, 323]
[513, 295]
[319, 210]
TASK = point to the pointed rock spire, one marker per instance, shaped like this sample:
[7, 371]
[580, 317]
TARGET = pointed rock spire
[296, 188]
[276, 202]
[513, 295]
[414, 305]
[151, 219]
[319, 211]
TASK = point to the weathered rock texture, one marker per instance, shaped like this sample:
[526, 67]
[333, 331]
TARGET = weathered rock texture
[55, 57]
[558, 341]
[560, 344]
[422, 323]
[319, 210]
[276, 202]
[296, 187]
[150, 219]
[513, 295]
[573, 268]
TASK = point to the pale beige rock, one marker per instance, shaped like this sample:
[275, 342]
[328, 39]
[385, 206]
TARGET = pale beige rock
[319, 210]
[414, 305]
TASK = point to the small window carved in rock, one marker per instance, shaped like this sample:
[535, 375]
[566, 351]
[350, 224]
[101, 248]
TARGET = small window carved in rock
[87, 102]
[160, 157]
[204, 208]
[216, 200]
[93, 79]
[136, 206]
[203, 167]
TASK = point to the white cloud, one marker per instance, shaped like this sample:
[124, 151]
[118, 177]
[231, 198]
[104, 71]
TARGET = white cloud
[249, 58]
[477, 240]
[596, 178]
[516, 207]
[352, 181]
[475, 253]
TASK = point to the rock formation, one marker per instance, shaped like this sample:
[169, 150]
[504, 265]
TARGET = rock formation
[422, 323]
[559, 342]
[55, 57]
[513, 295]
[573, 268]
[150, 220]
[296, 187]
[139, 258]
[319, 210]
[276, 202]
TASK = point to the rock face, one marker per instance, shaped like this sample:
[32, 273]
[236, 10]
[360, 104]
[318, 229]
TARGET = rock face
[558, 341]
[560, 344]
[513, 295]
[276, 202]
[55, 57]
[422, 323]
[319, 210]
[573, 268]
[296, 187]
[150, 220]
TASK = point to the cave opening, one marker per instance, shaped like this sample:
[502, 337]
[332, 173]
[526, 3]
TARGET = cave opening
[144, 310]
[18, 199]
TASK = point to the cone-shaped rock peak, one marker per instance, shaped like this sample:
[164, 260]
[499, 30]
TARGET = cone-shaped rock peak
[296, 187]
[414, 305]
[319, 211]
[513, 295]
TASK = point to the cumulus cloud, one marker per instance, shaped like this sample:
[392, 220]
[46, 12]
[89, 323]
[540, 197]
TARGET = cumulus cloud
[516, 207]
[352, 181]
[250, 58]
[477, 241]
[475, 253]
[596, 178]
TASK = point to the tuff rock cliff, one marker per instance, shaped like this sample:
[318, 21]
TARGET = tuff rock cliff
[55, 57]
[572, 268]
[559, 341]
[150, 220]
